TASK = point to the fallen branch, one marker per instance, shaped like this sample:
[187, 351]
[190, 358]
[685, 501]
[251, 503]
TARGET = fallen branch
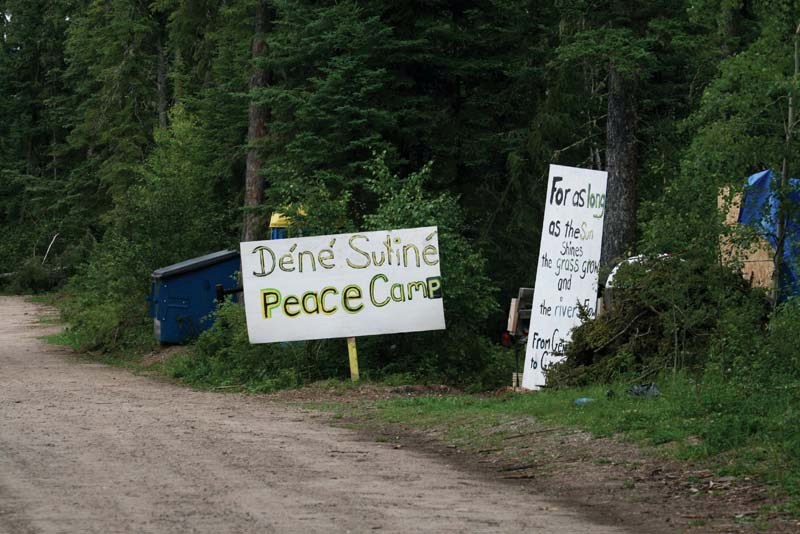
[48, 248]
[517, 468]
[610, 341]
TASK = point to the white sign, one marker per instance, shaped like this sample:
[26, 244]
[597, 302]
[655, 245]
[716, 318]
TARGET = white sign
[567, 265]
[342, 285]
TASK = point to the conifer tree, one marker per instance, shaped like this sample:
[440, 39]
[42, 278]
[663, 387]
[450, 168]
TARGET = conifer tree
[31, 125]
[643, 53]
[113, 74]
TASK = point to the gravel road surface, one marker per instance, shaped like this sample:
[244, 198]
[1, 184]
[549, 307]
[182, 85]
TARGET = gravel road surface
[86, 448]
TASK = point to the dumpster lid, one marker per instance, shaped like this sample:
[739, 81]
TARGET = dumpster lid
[195, 263]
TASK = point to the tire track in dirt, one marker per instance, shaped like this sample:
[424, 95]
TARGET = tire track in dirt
[89, 448]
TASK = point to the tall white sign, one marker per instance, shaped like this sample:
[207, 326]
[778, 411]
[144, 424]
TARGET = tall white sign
[342, 285]
[567, 272]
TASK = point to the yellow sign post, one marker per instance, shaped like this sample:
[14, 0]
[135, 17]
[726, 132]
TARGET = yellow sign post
[353, 352]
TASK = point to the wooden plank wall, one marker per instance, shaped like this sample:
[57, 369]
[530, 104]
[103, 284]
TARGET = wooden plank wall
[757, 261]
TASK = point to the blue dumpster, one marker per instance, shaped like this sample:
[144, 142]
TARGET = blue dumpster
[183, 295]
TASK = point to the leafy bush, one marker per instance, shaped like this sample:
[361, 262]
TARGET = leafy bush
[667, 314]
[223, 356]
[783, 335]
[461, 355]
[33, 277]
[172, 213]
[105, 305]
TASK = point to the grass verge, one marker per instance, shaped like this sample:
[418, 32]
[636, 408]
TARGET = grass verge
[690, 421]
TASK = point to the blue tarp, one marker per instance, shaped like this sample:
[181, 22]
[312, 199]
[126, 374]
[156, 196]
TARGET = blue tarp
[760, 210]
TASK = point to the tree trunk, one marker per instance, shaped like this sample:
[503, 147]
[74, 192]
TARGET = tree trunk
[619, 227]
[783, 191]
[726, 28]
[255, 221]
[161, 83]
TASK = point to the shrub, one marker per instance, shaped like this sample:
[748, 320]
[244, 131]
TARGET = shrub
[33, 277]
[461, 354]
[783, 335]
[170, 215]
[667, 314]
[224, 356]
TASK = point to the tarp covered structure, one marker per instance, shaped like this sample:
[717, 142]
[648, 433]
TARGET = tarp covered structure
[760, 211]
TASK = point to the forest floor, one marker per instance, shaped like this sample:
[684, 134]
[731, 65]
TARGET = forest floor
[86, 447]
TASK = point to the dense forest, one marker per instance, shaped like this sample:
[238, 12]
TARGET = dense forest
[138, 133]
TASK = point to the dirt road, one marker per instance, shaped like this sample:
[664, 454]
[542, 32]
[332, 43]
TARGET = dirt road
[90, 448]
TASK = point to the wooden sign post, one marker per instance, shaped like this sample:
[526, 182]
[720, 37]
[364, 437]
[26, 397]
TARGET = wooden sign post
[352, 351]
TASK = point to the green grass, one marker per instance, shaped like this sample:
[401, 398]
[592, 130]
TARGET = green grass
[651, 419]
[131, 359]
[65, 338]
[44, 298]
[50, 319]
[729, 430]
